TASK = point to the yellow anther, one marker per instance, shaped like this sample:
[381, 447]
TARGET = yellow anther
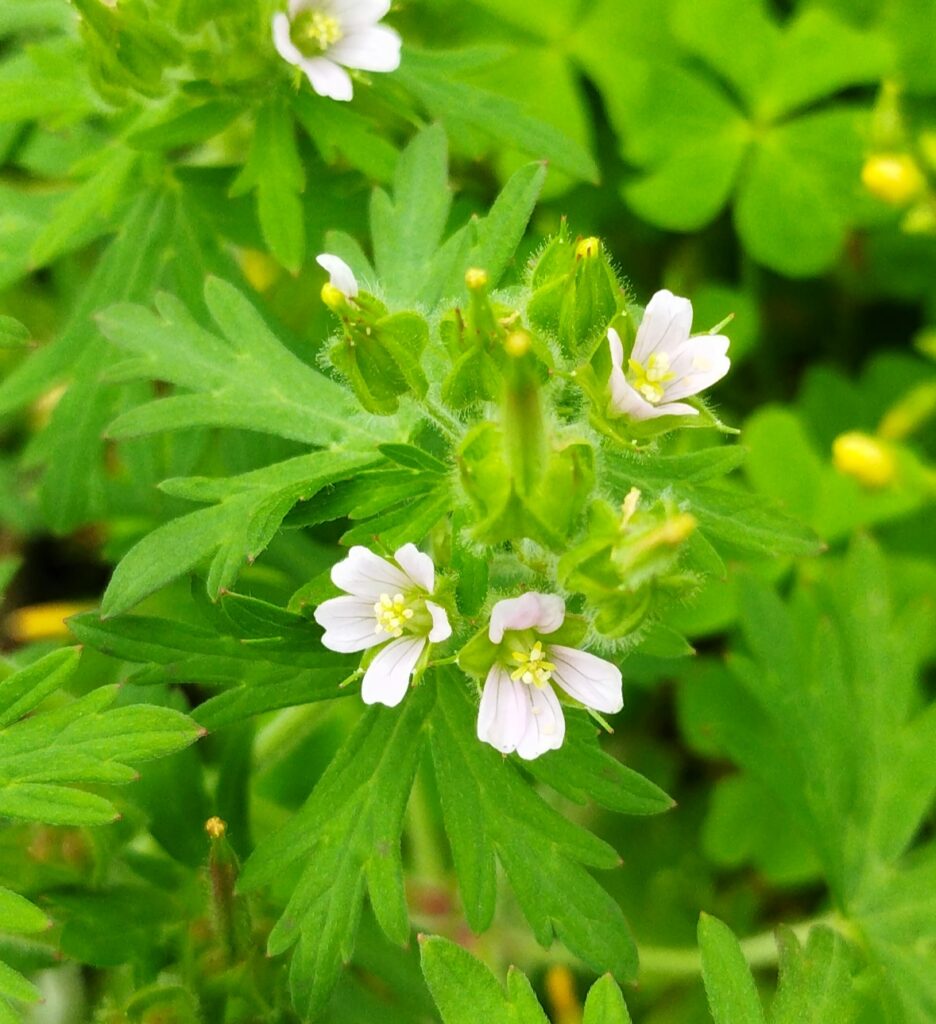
[216, 827]
[865, 459]
[313, 32]
[476, 278]
[532, 666]
[894, 177]
[392, 614]
[517, 343]
[587, 248]
[649, 380]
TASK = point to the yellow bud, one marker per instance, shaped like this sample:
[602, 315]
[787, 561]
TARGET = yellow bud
[587, 248]
[563, 999]
[476, 278]
[216, 827]
[893, 177]
[41, 621]
[864, 458]
[517, 343]
[260, 269]
[333, 297]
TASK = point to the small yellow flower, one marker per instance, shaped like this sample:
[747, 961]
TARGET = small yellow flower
[865, 459]
[894, 177]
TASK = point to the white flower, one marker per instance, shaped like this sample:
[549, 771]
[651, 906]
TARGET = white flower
[519, 708]
[384, 604]
[666, 364]
[320, 36]
[340, 275]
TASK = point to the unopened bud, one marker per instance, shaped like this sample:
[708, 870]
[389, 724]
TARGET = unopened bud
[893, 177]
[865, 459]
[476, 278]
[560, 991]
[517, 343]
[333, 297]
[674, 531]
[587, 248]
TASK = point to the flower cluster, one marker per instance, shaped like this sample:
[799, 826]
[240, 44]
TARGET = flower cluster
[387, 608]
[528, 661]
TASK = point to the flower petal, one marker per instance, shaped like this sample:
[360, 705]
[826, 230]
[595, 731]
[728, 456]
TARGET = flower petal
[590, 680]
[627, 402]
[388, 676]
[617, 348]
[505, 711]
[327, 78]
[367, 575]
[666, 324]
[339, 273]
[417, 565]
[700, 362]
[543, 612]
[546, 724]
[355, 14]
[349, 623]
[441, 629]
[282, 40]
[374, 48]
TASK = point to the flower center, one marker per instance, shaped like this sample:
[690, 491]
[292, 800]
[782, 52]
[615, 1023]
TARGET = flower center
[532, 666]
[393, 613]
[649, 380]
[313, 32]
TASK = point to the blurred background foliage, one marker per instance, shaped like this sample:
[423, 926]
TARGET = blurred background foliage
[773, 159]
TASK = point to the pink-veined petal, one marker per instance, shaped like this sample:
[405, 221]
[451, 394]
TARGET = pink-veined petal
[543, 612]
[441, 628]
[282, 40]
[545, 725]
[417, 565]
[327, 78]
[388, 676]
[504, 712]
[350, 624]
[373, 48]
[590, 680]
[666, 324]
[339, 273]
[367, 575]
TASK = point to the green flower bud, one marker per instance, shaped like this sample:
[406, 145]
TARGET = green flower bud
[626, 560]
[378, 353]
[575, 294]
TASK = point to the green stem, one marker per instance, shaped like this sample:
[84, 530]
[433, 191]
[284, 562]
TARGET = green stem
[443, 419]
[760, 951]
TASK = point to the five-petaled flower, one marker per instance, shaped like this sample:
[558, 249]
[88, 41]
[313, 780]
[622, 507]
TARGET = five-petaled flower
[323, 37]
[385, 603]
[519, 707]
[666, 363]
